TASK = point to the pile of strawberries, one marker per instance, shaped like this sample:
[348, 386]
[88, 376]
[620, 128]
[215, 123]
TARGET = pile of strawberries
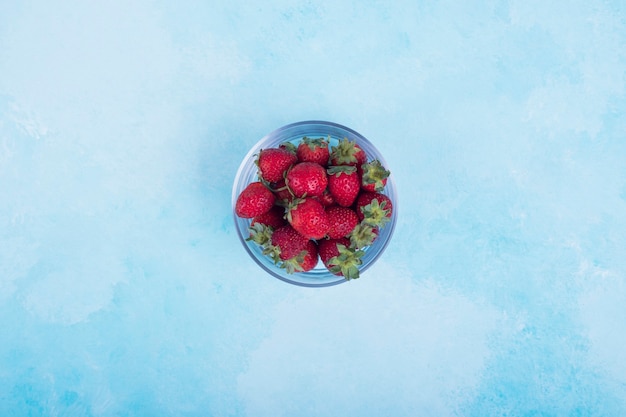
[316, 201]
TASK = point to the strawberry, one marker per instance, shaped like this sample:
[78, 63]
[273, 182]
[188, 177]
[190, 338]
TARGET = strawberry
[308, 217]
[281, 191]
[344, 184]
[307, 179]
[288, 146]
[374, 177]
[347, 153]
[363, 235]
[326, 199]
[286, 243]
[313, 150]
[343, 220]
[274, 218]
[304, 261]
[254, 200]
[274, 162]
[339, 258]
[373, 209]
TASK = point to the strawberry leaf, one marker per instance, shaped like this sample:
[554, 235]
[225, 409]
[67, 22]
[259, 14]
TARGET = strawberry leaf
[341, 169]
[347, 262]
[288, 146]
[294, 264]
[375, 173]
[375, 213]
[362, 235]
[260, 234]
[314, 143]
[273, 252]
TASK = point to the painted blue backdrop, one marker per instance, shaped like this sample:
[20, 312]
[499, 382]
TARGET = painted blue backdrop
[124, 290]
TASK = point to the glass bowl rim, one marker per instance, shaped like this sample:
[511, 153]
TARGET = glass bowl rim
[390, 188]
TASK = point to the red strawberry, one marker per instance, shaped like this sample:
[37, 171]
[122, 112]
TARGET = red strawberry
[308, 217]
[286, 243]
[347, 153]
[274, 218]
[304, 261]
[374, 176]
[339, 258]
[374, 209]
[344, 184]
[307, 179]
[254, 200]
[313, 150]
[363, 235]
[343, 220]
[274, 162]
[281, 191]
[326, 198]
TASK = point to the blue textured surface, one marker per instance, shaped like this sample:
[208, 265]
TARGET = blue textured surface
[124, 290]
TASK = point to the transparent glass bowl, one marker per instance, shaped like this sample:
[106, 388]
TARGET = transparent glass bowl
[247, 173]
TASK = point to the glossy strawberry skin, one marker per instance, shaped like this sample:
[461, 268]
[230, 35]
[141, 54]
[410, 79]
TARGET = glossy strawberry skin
[274, 162]
[310, 258]
[275, 218]
[343, 220]
[309, 218]
[288, 242]
[361, 157]
[373, 176]
[304, 261]
[255, 200]
[372, 188]
[313, 150]
[339, 258]
[366, 198]
[326, 199]
[307, 179]
[327, 249]
[344, 185]
[347, 152]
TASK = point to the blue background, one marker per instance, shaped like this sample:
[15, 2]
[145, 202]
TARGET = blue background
[124, 290]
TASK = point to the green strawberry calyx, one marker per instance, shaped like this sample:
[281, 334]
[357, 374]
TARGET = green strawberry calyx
[288, 146]
[347, 262]
[260, 234]
[345, 152]
[341, 169]
[292, 205]
[273, 252]
[375, 213]
[374, 173]
[294, 264]
[313, 144]
[362, 235]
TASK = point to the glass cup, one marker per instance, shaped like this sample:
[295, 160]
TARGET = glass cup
[247, 173]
